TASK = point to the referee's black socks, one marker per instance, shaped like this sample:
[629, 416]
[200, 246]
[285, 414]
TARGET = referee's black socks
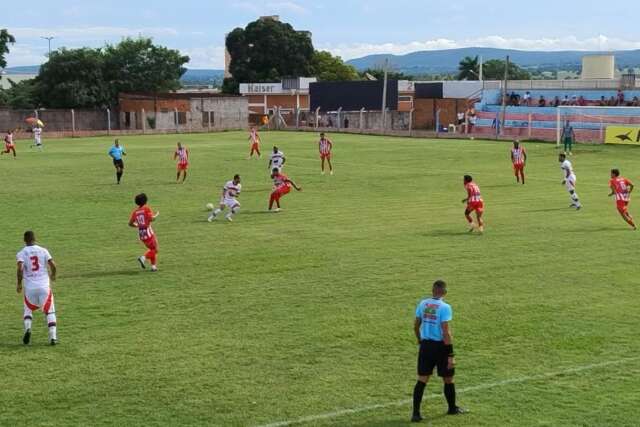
[450, 395]
[119, 176]
[418, 392]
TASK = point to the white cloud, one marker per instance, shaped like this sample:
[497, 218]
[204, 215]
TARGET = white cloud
[601, 42]
[271, 7]
[205, 57]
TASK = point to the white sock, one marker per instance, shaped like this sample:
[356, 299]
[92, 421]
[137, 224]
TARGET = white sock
[53, 333]
[217, 211]
[27, 324]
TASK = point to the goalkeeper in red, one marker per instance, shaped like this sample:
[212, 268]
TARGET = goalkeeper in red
[621, 188]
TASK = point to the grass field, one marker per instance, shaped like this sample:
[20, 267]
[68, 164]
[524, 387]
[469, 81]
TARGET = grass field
[309, 312]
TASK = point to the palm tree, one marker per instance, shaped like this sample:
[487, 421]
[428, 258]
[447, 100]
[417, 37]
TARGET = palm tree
[469, 69]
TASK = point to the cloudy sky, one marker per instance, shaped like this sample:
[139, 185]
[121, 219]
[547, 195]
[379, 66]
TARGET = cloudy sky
[350, 28]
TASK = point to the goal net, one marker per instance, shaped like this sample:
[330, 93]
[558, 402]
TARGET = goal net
[598, 124]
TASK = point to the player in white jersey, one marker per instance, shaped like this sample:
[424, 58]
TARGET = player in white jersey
[277, 159]
[37, 137]
[230, 192]
[569, 180]
[37, 269]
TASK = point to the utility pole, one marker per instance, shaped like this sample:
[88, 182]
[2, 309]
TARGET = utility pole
[49, 40]
[504, 94]
[481, 68]
[384, 94]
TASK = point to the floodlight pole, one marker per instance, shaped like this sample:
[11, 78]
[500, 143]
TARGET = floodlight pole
[49, 40]
[504, 94]
[384, 94]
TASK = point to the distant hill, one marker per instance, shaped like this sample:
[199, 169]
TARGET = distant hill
[203, 77]
[446, 61]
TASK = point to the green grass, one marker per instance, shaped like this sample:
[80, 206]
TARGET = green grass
[310, 311]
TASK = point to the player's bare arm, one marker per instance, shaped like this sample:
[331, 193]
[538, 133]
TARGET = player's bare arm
[416, 328]
[19, 277]
[613, 190]
[294, 185]
[448, 341]
[53, 270]
[631, 187]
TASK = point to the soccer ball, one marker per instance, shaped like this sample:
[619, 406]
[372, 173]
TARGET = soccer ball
[209, 206]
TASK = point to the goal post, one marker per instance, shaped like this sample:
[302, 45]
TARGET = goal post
[590, 122]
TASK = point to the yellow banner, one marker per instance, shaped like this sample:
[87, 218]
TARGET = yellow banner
[622, 135]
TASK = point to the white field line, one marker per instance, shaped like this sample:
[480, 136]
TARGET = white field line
[518, 380]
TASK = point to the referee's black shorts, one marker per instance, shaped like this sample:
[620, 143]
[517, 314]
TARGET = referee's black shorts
[433, 354]
[118, 163]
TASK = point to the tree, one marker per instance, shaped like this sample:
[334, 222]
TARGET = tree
[327, 67]
[469, 69]
[378, 73]
[137, 65]
[267, 50]
[77, 78]
[22, 95]
[5, 40]
[494, 70]
[73, 78]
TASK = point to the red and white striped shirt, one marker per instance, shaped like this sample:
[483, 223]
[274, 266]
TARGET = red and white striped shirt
[620, 187]
[231, 190]
[325, 146]
[280, 180]
[182, 154]
[517, 155]
[254, 137]
[8, 139]
[473, 192]
[143, 216]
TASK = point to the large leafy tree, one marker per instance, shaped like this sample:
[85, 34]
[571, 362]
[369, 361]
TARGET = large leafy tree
[73, 78]
[21, 95]
[494, 70]
[469, 69]
[76, 78]
[137, 65]
[327, 67]
[5, 40]
[267, 50]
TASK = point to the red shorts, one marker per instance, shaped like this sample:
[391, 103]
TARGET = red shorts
[151, 243]
[282, 190]
[622, 206]
[255, 146]
[325, 156]
[518, 167]
[183, 166]
[9, 147]
[475, 206]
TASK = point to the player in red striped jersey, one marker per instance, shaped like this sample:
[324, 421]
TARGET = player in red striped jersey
[141, 218]
[255, 142]
[182, 155]
[325, 146]
[474, 203]
[282, 186]
[519, 160]
[621, 187]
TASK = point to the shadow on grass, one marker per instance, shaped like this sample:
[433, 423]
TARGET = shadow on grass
[17, 346]
[599, 230]
[448, 233]
[429, 420]
[547, 210]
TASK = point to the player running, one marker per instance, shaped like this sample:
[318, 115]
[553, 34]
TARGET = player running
[37, 137]
[116, 153]
[141, 218]
[569, 180]
[37, 269]
[255, 142]
[9, 145]
[474, 203]
[519, 160]
[325, 146]
[277, 159]
[230, 192]
[621, 187]
[182, 155]
[282, 186]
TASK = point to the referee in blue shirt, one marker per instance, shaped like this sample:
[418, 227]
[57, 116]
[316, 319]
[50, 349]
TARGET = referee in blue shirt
[436, 348]
[116, 152]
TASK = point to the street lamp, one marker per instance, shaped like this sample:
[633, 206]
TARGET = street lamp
[49, 40]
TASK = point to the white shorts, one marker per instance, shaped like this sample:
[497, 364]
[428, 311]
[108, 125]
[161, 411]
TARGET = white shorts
[229, 202]
[38, 299]
[570, 183]
[38, 141]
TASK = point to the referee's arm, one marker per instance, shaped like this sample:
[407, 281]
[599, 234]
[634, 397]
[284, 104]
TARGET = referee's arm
[416, 328]
[448, 340]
